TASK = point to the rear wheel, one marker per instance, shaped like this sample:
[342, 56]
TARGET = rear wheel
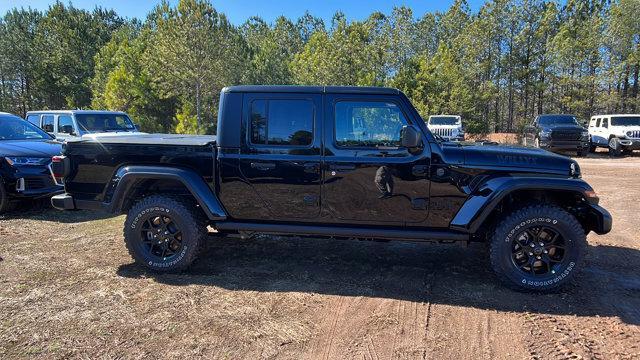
[581, 153]
[537, 248]
[592, 147]
[164, 233]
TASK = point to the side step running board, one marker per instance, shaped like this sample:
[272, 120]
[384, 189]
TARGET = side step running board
[414, 235]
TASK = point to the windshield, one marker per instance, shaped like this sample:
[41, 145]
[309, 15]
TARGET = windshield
[443, 120]
[625, 120]
[558, 120]
[14, 128]
[93, 123]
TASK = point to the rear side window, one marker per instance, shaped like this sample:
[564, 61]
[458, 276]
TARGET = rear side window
[282, 122]
[47, 123]
[368, 124]
[34, 119]
[605, 123]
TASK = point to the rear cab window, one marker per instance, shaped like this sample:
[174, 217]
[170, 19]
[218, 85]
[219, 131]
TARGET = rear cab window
[281, 122]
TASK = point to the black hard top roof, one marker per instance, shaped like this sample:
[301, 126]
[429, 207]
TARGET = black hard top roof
[312, 89]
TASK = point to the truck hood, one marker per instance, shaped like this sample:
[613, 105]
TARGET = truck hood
[32, 148]
[509, 157]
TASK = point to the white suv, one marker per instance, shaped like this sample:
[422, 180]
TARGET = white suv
[449, 127]
[67, 124]
[620, 133]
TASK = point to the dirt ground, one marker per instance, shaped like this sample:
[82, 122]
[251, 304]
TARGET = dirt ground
[69, 289]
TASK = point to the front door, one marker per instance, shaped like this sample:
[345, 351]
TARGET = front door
[369, 178]
[280, 157]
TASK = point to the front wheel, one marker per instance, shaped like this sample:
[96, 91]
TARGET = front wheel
[6, 204]
[164, 233]
[537, 248]
[615, 149]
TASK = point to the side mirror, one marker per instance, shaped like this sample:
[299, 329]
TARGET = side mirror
[68, 129]
[410, 137]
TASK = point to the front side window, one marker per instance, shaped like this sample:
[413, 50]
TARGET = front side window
[598, 122]
[368, 124]
[47, 123]
[605, 123]
[282, 122]
[65, 124]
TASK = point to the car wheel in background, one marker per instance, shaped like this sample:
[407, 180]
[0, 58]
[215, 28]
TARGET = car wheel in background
[537, 248]
[615, 149]
[6, 204]
[165, 233]
[592, 147]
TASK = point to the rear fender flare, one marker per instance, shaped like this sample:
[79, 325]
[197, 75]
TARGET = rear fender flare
[127, 176]
[483, 201]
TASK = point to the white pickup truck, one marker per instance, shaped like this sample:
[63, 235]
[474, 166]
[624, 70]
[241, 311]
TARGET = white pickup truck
[620, 133]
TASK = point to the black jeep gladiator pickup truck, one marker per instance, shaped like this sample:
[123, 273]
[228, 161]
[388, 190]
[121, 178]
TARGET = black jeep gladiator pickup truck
[337, 162]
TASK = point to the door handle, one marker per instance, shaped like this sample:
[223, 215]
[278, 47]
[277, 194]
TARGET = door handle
[263, 166]
[349, 167]
[312, 168]
[419, 170]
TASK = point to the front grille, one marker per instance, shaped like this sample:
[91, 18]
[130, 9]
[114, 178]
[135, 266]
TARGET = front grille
[634, 134]
[443, 132]
[565, 135]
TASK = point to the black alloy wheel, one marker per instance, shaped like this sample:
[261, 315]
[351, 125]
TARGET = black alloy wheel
[537, 247]
[538, 250]
[164, 232]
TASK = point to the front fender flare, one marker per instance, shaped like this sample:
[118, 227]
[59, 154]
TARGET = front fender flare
[127, 176]
[483, 201]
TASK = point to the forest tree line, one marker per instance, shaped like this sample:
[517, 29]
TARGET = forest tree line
[497, 67]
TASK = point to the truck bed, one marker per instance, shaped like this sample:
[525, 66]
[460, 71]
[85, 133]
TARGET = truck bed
[148, 139]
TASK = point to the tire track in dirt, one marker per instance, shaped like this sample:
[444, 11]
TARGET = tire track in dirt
[374, 327]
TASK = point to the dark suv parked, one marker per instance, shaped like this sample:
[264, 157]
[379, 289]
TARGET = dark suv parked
[557, 133]
[25, 162]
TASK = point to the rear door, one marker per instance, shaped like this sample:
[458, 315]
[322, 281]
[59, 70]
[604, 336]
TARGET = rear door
[369, 178]
[280, 154]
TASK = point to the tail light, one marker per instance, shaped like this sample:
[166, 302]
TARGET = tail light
[58, 168]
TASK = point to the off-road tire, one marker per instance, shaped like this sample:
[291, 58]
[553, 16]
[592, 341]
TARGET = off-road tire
[526, 218]
[188, 218]
[6, 204]
[592, 147]
[581, 153]
[615, 149]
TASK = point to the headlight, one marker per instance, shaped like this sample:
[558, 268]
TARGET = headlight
[27, 161]
[545, 133]
[585, 134]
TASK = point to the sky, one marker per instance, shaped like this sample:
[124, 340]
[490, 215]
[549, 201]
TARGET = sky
[238, 10]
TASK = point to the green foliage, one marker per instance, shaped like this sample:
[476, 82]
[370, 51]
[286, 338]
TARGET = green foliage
[498, 68]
